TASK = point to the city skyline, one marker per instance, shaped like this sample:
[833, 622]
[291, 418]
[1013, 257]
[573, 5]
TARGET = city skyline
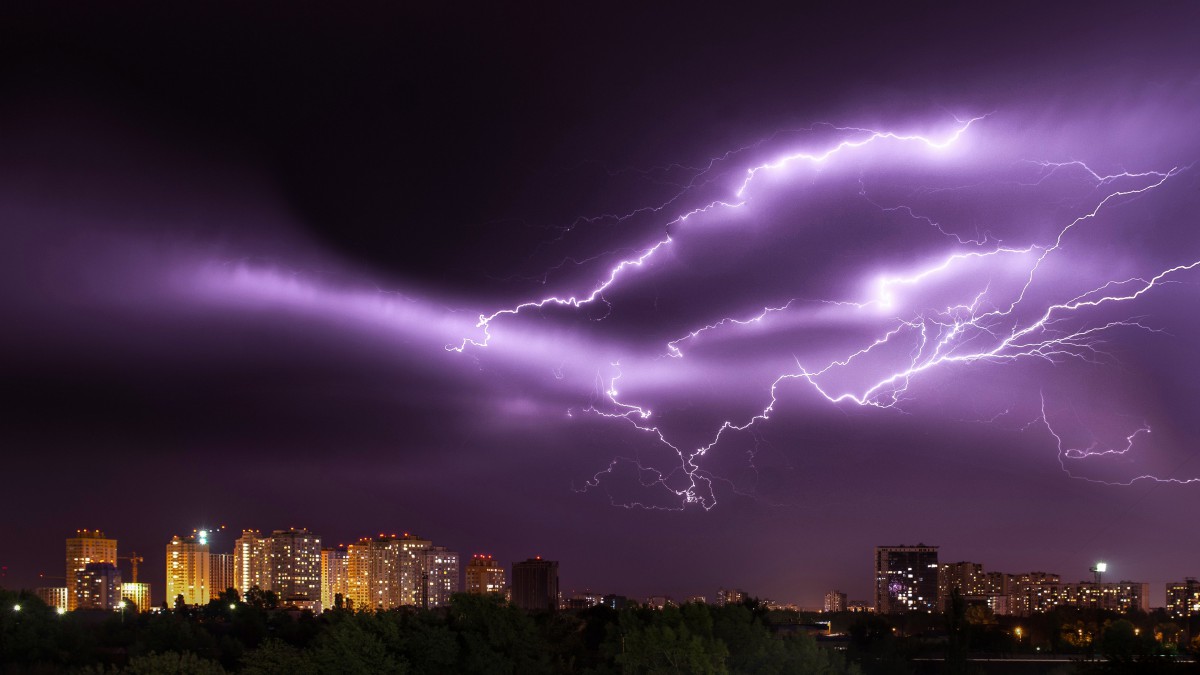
[685, 298]
[251, 547]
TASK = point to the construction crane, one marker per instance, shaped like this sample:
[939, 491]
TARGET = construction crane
[133, 559]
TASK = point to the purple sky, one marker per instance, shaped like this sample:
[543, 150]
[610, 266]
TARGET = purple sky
[245, 253]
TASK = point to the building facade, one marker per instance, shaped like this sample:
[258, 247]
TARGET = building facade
[188, 570]
[98, 586]
[53, 596]
[1183, 598]
[294, 571]
[484, 575]
[535, 584]
[906, 579]
[87, 546]
[335, 576]
[138, 593]
[251, 562]
[835, 601]
[440, 567]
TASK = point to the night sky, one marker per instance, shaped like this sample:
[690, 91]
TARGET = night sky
[909, 273]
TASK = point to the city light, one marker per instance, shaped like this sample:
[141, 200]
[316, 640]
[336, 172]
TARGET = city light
[16, 608]
[1101, 567]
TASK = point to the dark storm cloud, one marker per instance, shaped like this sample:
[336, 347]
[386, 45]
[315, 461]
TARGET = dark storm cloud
[236, 247]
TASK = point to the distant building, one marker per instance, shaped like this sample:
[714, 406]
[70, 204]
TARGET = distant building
[373, 573]
[98, 586]
[188, 570]
[221, 570]
[660, 602]
[968, 578]
[1122, 596]
[335, 573]
[860, 606]
[584, 600]
[440, 567]
[906, 579]
[53, 596]
[138, 593]
[697, 599]
[484, 575]
[87, 546]
[1033, 593]
[294, 570]
[730, 596]
[1183, 598]
[535, 584]
[251, 562]
[835, 601]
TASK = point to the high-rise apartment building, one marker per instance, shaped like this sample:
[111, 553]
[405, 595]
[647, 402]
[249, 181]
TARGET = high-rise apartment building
[1033, 592]
[87, 546]
[1183, 598]
[906, 579]
[484, 575]
[251, 562]
[221, 571]
[295, 568]
[967, 578]
[98, 586]
[412, 568]
[440, 567]
[335, 576]
[835, 601]
[374, 573]
[535, 584]
[188, 570]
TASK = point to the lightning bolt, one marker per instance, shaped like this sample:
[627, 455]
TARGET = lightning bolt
[979, 330]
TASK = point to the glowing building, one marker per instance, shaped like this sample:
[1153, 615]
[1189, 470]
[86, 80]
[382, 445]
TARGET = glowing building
[967, 578]
[373, 573]
[295, 568]
[535, 585]
[835, 601]
[440, 568]
[412, 568]
[1183, 598]
[335, 576]
[484, 575]
[87, 546]
[53, 596]
[251, 562]
[138, 593]
[221, 565]
[98, 586]
[906, 579]
[730, 596]
[189, 570]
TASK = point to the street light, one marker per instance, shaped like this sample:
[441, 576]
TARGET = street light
[1099, 569]
[61, 610]
[16, 608]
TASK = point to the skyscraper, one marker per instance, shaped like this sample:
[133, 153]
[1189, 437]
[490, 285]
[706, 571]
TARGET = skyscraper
[295, 568]
[251, 562]
[412, 568]
[441, 576]
[221, 570]
[188, 570]
[484, 575]
[335, 576]
[374, 573]
[98, 586]
[87, 546]
[967, 578]
[906, 579]
[535, 584]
